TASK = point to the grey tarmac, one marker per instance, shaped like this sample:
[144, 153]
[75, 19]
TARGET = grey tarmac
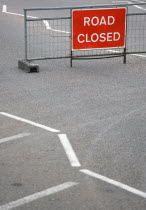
[97, 108]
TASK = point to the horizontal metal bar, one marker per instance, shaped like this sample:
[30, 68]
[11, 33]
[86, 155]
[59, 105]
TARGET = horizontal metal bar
[87, 56]
[64, 18]
[84, 58]
[142, 52]
[104, 54]
[41, 19]
[86, 6]
[46, 58]
[81, 56]
[132, 14]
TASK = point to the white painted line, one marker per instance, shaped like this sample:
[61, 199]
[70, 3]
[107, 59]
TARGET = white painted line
[11, 138]
[139, 7]
[46, 24]
[61, 31]
[113, 51]
[128, 54]
[44, 21]
[129, 2]
[11, 13]
[121, 2]
[4, 8]
[69, 150]
[115, 183]
[30, 122]
[139, 55]
[16, 14]
[37, 195]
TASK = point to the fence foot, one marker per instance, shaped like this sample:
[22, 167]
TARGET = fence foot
[28, 67]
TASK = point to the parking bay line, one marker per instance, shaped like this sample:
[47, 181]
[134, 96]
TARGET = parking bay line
[30, 122]
[115, 183]
[69, 150]
[11, 138]
[37, 195]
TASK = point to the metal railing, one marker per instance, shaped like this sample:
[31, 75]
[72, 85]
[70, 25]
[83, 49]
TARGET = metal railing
[48, 34]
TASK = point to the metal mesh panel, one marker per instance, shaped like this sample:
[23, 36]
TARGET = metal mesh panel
[136, 33]
[98, 52]
[50, 37]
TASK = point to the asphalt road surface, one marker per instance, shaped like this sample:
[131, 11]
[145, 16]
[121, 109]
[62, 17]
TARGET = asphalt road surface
[70, 138]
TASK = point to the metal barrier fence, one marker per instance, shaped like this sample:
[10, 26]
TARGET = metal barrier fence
[48, 34]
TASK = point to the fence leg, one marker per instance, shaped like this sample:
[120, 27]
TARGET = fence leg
[25, 33]
[71, 59]
[124, 60]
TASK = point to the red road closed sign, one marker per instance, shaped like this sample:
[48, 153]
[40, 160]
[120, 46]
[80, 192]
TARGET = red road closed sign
[101, 28]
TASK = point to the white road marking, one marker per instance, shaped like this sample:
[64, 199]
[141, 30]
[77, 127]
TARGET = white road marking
[4, 8]
[46, 23]
[11, 13]
[121, 2]
[69, 150]
[37, 195]
[113, 51]
[139, 55]
[30, 122]
[115, 183]
[129, 2]
[129, 54]
[16, 14]
[14, 137]
[61, 31]
[139, 7]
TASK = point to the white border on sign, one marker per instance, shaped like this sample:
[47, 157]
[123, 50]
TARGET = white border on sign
[104, 48]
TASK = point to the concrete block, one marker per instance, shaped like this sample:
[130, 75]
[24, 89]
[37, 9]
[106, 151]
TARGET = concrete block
[28, 67]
